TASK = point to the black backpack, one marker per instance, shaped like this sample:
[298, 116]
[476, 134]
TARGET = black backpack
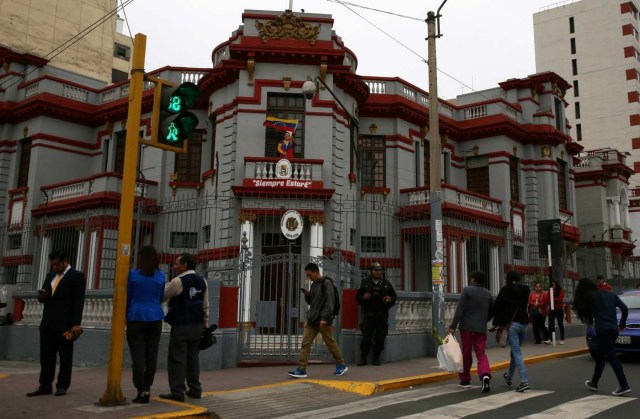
[336, 296]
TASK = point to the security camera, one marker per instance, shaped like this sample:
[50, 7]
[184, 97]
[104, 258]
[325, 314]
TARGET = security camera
[309, 89]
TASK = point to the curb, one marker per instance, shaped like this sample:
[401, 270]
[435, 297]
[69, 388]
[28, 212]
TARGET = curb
[368, 388]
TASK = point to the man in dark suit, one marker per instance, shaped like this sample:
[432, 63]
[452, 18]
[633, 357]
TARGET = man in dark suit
[62, 294]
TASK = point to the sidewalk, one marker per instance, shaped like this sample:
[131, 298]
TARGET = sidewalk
[237, 392]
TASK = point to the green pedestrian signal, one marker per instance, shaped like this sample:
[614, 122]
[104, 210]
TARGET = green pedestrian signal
[171, 121]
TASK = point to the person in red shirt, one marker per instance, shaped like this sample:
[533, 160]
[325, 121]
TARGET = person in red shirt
[602, 284]
[538, 307]
[557, 312]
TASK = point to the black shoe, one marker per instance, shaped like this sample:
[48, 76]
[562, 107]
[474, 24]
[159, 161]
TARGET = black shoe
[486, 384]
[39, 392]
[193, 394]
[142, 398]
[173, 396]
[61, 392]
[376, 361]
[362, 362]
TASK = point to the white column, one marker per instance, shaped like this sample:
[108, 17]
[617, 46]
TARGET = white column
[616, 212]
[495, 269]
[80, 254]
[316, 243]
[91, 261]
[464, 269]
[245, 282]
[44, 259]
[452, 266]
[625, 214]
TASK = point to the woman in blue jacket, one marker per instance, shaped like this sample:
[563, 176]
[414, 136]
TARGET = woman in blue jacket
[145, 291]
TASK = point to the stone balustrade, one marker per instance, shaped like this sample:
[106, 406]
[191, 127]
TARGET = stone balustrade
[265, 168]
[102, 182]
[466, 199]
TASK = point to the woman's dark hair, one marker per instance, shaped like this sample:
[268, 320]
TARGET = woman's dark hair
[513, 277]
[148, 260]
[558, 287]
[581, 297]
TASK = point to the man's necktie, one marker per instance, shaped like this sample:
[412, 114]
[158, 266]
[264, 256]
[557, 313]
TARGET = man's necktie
[55, 284]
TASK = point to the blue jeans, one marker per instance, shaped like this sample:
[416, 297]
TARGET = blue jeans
[517, 335]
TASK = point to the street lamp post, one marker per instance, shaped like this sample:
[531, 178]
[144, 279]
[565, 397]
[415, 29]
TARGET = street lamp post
[309, 89]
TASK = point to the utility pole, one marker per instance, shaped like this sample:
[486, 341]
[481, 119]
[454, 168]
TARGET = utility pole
[113, 394]
[438, 268]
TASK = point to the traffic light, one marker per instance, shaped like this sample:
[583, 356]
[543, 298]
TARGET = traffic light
[171, 121]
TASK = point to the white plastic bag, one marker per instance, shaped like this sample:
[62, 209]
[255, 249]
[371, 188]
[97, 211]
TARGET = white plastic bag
[450, 355]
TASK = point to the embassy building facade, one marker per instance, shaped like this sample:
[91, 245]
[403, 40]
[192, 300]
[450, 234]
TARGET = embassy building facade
[359, 180]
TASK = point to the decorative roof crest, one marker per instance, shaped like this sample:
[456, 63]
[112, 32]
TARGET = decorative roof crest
[288, 26]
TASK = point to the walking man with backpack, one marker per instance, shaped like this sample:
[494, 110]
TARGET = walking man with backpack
[376, 296]
[319, 319]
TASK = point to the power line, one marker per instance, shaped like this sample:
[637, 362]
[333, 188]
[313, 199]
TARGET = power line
[345, 4]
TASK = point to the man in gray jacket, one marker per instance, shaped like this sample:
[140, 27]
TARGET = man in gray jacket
[319, 320]
[474, 310]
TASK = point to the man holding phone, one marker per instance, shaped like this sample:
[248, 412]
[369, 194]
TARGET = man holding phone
[62, 294]
[319, 320]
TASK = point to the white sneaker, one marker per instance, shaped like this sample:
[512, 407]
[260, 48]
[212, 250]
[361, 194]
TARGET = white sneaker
[562, 342]
[548, 341]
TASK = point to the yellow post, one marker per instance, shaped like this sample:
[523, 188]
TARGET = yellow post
[113, 394]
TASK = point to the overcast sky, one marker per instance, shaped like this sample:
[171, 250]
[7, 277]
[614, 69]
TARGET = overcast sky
[484, 42]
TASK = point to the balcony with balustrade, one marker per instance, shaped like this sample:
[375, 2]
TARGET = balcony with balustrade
[413, 199]
[92, 191]
[270, 176]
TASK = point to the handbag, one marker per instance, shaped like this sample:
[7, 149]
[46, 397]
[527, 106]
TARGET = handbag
[207, 339]
[449, 355]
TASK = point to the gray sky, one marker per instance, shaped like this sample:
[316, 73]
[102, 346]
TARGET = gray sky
[484, 42]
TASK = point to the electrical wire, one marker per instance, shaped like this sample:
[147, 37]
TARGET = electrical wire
[67, 44]
[409, 49]
[126, 20]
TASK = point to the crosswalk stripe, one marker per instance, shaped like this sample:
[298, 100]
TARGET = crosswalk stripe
[582, 408]
[481, 404]
[377, 402]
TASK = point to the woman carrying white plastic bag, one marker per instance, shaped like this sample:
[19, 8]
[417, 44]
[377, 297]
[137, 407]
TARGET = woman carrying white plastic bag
[450, 355]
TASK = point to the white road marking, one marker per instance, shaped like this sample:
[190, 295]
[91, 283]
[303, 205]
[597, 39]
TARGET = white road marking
[372, 403]
[481, 404]
[582, 408]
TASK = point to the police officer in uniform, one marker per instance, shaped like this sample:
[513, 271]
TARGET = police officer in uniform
[376, 296]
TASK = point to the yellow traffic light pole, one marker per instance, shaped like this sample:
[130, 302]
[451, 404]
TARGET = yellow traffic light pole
[113, 393]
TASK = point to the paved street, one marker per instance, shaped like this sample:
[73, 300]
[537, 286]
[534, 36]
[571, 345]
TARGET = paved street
[557, 391]
[392, 390]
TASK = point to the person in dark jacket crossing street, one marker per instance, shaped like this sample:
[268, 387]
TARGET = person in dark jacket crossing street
[188, 315]
[319, 318]
[511, 309]
[376, 296]
[597, 306]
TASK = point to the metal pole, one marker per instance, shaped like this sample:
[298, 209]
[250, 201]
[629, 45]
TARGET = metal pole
[113, 393]
[354, 129]
[437, 243]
